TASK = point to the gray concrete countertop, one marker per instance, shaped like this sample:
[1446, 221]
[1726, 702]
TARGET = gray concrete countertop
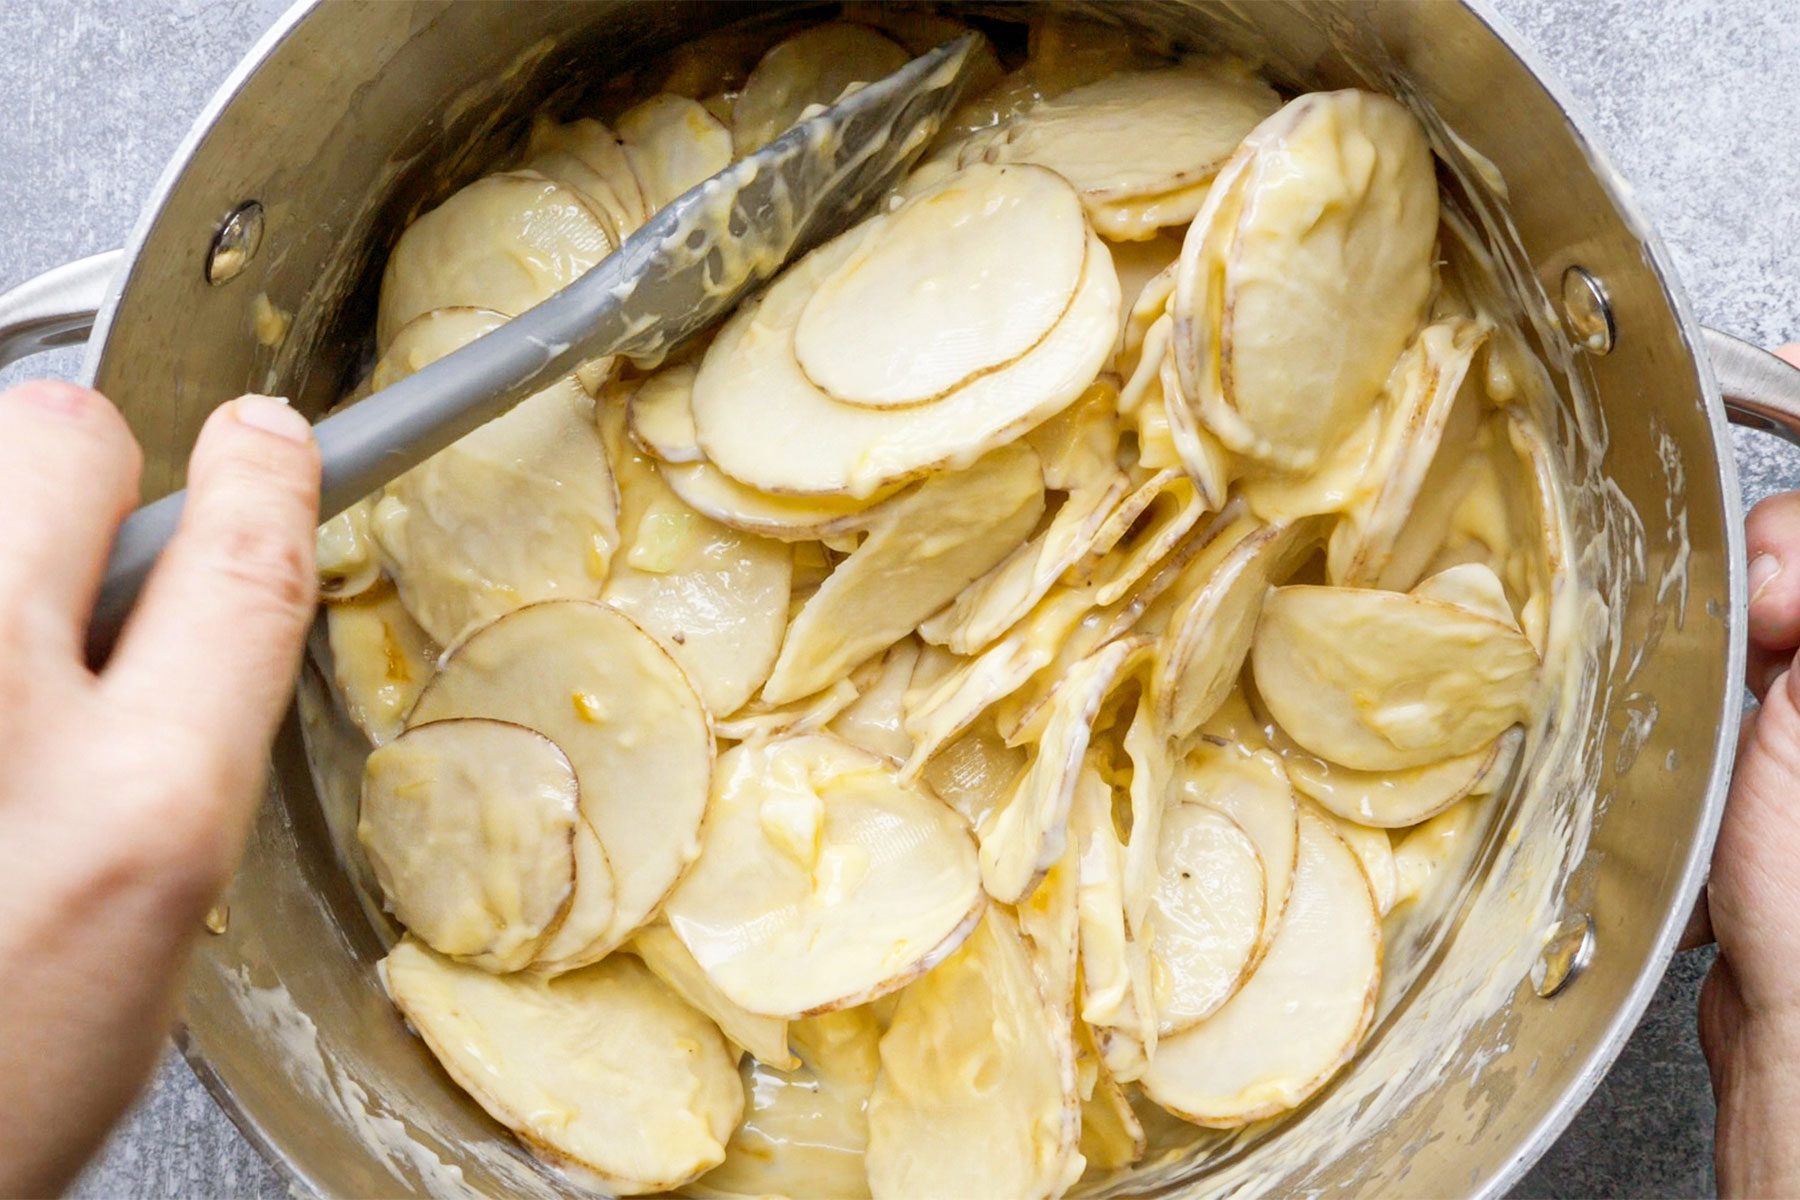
[1695, 100]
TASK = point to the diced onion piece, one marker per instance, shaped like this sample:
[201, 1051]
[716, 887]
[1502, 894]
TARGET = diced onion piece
[1302, 1013]
[504, 242]
[812, 67]
[602, 1072]
[961, 280]
[976, 1095]
[1306, 274]
[602, 689]
[1206, 916]
[1381, 681]
[469, 826]
[825, 880]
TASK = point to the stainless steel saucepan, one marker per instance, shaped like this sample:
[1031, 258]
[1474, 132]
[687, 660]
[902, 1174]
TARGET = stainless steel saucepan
[347, 118]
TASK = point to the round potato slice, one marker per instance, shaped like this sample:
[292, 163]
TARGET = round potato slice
[1306, 274]
[598, 149]
[812, 67]
[672, 143]
[806, 1129]
[587, 678]
[603, 1071]
[1381, 681]
[1250, 787]
[470, 826]
[591, 909]
[964, 277]
[1393, 799]
[380, 661]
[1302, 1013]
[977, 1091]
[764, 1037]
[662, 419]
[522, 509]
[825, 880]
[1206, 914]
[504, 242]
[750, 395]
[1140, 133]
[345, 554]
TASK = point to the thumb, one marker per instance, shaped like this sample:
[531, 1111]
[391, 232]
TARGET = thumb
[1754, 893]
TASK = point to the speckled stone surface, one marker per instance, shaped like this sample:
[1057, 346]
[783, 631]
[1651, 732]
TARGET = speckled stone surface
[1694, 99]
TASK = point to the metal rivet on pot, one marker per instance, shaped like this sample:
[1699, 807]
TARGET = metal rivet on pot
[1586, 311]
[1566, 951]
[236, 243]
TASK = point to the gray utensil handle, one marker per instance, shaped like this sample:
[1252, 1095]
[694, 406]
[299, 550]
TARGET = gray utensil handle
[140, 540]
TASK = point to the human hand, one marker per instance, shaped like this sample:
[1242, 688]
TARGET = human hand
[1750, 1004]
[125, 795]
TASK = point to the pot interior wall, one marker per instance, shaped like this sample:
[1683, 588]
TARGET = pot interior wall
[361, 114]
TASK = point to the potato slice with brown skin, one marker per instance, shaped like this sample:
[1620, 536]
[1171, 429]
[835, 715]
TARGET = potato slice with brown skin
[1374, 853]
[1207, 915]
[715, 597]
[757, 721]
[587, 678]
[825, 880]
[599, 149]
[967, 276]
[380, 661]
[1021, 840]
[1250, 787]
[750, 393]
[1422, 394]
[672, 143]
[1112, 1136]
[1306, 274]
[1117, 1000]
[812, 67]
[345, 554]
[920, 552]
[1381, 681]
[661, 417]
[764, 1037]
[806, 1129]
[976, 1095]
[1302, 1013]
[449, 529]
[602, 1072]
[469, 827]
[504, 243]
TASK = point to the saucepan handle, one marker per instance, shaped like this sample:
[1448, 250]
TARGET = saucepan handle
[56, 308]
[1760, 390]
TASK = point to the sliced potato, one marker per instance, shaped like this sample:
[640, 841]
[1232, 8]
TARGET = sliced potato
[807, 1129]
[921, 550]
[825, 880]
[764, 1037]
[1394, 799]
[812, 67]
[976, 1095]
[1422, 394]
[1302, 1013]
[1079, 446]
[1140, 533]
[603, 1070]
[1472, 587]
[1207, 915]
[750, 393]
[587, 678]
[757, 721]
[1427, 856]
[672, 143]
[1306, 274]
[974, 773]
[875, 719]
[591, 909]
[1140, 218]
[1375, 854]
[715, 597]
[661, 418]
[345, 554]
[380, 661]
[504, 242]
[1152, 774]
[939, 712]
[451, 531]
[966, 276]
[1251, 788]
[1021, 840]
[470, 829]
[598, 148]
[710, 491]
[1146, 280]
[1141, 133]
[1112, 1136]
[1208, 463]
[1381, 681]
[1117, 1000]
[1050, 919]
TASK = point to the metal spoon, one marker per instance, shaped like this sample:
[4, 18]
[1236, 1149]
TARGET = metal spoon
[683, 270]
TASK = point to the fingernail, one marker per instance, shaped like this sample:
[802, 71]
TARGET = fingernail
[271, 414]
[1763, 568]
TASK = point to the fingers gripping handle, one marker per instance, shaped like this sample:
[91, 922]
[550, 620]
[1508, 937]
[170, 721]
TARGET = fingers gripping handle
[1760, 390]
[56, 308]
